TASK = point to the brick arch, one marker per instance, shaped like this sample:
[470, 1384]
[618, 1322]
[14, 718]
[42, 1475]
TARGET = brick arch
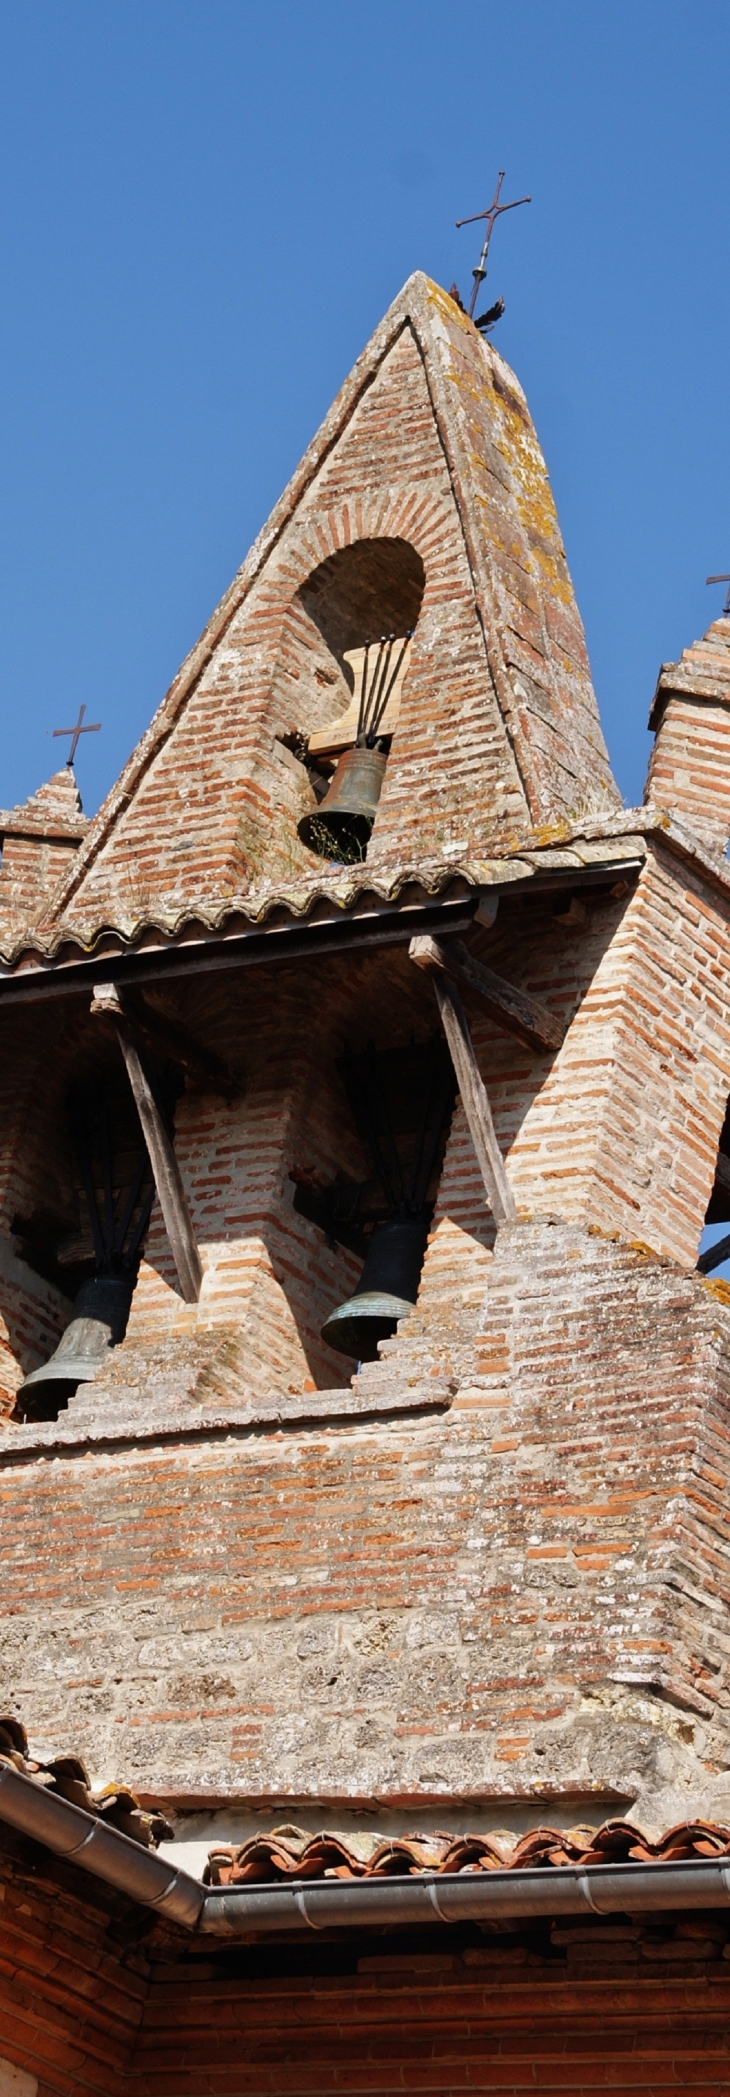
[371, 587]
[409, 513]
[368, 587]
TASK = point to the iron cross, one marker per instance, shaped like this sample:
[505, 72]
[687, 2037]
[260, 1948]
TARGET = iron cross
[722, 578]
[79, 729]
[491, 215]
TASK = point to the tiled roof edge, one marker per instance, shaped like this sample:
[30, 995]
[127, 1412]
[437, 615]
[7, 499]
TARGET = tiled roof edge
[557, 846]
[286, 1855]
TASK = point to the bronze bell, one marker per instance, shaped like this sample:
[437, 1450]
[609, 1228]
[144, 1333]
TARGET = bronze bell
[386, 1291]
[99, 1322]
[340, 827]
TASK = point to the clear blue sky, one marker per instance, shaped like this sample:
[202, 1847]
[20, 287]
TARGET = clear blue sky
[206, 206]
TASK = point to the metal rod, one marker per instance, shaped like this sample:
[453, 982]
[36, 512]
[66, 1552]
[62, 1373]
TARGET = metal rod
[106, 1166]
[128, 1212]
[382, 710]
[82, 1145]
[442, 1101]
[389, 1137]
[363, 692]
[360, 1105]
[493, 212]
[423, 1123]
[141, 1225]
[378, 686]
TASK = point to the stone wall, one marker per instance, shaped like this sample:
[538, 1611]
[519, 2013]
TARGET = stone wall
[522, 1597]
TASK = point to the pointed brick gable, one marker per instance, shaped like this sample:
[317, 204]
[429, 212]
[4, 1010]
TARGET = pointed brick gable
[427, 465]
[689, 771]
[38, 840]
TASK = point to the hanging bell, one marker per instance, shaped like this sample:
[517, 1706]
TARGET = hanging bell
[340, 827]
[386, 1291]
[99, 1322]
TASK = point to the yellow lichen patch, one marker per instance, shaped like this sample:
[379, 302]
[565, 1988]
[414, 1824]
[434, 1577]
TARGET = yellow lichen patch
[532, 492]
[547, 834]
[720, 1289]
[446, 306]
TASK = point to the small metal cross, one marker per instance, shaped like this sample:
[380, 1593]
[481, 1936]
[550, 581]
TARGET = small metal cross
[79, 729]
[491, 215]
[722, 578]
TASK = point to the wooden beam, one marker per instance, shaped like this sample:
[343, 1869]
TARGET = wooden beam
[168, 1037]
[714, 1255]
[474, 1100]
[722, 1172]
[512, 1009]
[165, 1168]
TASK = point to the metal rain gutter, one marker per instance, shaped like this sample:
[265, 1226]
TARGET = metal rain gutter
[490, 1896]
[389, 1903]
[84, 1840]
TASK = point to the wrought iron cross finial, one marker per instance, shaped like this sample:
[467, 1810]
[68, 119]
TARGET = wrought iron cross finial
[491, 215]
[79, 729]
[722, 578]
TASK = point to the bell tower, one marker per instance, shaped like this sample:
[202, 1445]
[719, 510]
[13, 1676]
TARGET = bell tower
[365, 1073]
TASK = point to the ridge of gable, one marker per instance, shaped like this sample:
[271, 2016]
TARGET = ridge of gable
[532, 634]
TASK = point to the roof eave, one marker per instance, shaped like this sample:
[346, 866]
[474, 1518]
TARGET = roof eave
[595, 851]
[430, 1897]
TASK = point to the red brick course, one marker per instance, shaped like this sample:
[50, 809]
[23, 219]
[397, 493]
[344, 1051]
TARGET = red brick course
[689, 770]
[356, 1610]
[89, 2001]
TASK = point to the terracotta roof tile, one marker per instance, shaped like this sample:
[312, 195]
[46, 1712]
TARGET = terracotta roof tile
[67, 1777]
[289, 1852]
[332, 890]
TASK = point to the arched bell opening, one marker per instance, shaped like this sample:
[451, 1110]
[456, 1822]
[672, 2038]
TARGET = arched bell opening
[94, 1257]
[400, 1102]
[347, 645]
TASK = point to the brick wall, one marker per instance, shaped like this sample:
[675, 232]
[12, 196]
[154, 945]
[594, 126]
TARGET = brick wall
[688, 770]
[71, 1997]
[230, 798]
[35, 1177]
[95, 1999]
[621, 1127]
[625, 1129]
[524, 1596]
[34, 1314]
[504, 2017]
[270, 1274]
[39, 842]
